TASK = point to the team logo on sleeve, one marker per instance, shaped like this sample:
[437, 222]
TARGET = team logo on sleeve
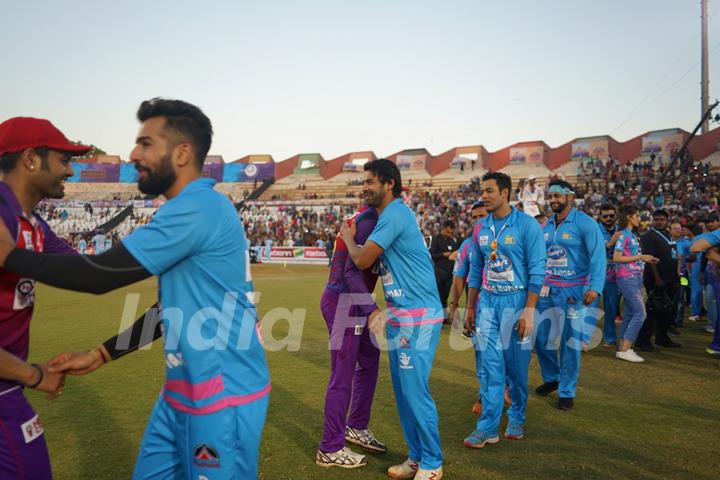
[500, 270]
[24, 294]
[556, 257]
[483, 240]
[205, 456]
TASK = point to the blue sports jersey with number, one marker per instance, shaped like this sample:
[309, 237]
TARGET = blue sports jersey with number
[405, 267]
[196, 244]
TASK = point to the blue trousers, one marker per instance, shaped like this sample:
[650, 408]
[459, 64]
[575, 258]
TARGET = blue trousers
[504, 361]
[711, 304]
[411, 351]
[221, 445]
[611, 304]
[634, 313]
[696, 290]
[560, 333]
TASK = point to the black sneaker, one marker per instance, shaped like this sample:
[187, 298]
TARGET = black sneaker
[647, 348]
[546, 388]
[365, 440]
[565, 403]
[669, 344]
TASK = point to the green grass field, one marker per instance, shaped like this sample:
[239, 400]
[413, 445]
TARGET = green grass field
[657, 420]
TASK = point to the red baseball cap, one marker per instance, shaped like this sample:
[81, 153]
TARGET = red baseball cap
[19, 133]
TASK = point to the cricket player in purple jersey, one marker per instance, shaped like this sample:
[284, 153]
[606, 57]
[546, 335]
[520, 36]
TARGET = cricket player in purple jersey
[35, 161]
[345, 305]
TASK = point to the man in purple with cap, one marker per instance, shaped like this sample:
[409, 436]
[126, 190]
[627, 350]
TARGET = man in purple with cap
[345, 305]
[35, 161]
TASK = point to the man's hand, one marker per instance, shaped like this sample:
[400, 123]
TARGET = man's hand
[590, 297]
[347, 232]
[452, 310]
[377, 321]
[616, 236]
[525, 322]
[7, 242]
[453, 255]
[469, 320]
[713, 255]
[76, 363]
[52, 383]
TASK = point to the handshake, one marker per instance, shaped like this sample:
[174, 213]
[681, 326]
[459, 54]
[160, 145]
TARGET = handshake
[50, 377]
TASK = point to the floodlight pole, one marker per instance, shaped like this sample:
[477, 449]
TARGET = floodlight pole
[704, 82]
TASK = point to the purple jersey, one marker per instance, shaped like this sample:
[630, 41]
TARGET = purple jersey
[344, 275]
[17, 295]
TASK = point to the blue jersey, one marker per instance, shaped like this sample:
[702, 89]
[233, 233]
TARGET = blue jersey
[516, 263]
[610, 273]
[575, 252]
[99, 241]
[462, 262]
[406, 268]
[196, 244]
[713, 237]
[683, 249]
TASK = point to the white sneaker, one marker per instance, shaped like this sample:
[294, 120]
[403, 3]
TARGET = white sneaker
[693, 318]
[436, 474]
[630, 356]
[344, 458]
[405, 470]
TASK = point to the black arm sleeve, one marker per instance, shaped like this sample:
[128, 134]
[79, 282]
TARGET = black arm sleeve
[82, 273]
[146, 329]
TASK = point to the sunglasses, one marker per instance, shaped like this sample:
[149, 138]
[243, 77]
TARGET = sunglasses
[493, 248]
[612, 215]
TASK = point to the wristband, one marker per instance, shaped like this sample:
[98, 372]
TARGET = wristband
[97, 352]
[42, 375]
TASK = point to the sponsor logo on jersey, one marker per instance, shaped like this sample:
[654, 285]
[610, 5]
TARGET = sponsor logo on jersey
[31, 429]
[205, 456]
[509, 240]
[405, 361]
[483, 240]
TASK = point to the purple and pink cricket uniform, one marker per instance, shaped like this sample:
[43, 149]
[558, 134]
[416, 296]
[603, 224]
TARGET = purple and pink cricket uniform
[23, 452]
[345, 306]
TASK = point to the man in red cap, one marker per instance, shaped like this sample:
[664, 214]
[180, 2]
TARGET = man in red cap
[35, 161]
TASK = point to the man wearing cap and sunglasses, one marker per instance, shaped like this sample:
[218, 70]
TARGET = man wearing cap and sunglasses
[574, 278]
[508, 263]
[35, 161]
[611, 294]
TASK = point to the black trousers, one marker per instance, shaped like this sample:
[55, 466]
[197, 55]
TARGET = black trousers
[658, 322]
[444, 282]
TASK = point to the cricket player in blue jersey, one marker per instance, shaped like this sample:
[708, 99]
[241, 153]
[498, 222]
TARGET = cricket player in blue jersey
[574, 279]
[611, 292]
[708, 244]
[208, 420]
[508, 263]
[413, 319]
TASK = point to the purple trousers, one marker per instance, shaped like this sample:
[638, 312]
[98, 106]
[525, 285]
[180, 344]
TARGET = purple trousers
[23, 452]
[354, 362]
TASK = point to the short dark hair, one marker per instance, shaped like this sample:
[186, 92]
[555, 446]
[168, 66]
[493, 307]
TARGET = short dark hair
[660, 213]
[385, 170]
[561, 183]
[504, 182]
[477, 205]
[9, 161]
[540, 215]
[624, 212]
[448, 224]
[608, 206]
[183, 118]
[712, 217]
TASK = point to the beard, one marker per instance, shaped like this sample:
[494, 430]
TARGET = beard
[375, 199]
[559, 207]
[160, 180]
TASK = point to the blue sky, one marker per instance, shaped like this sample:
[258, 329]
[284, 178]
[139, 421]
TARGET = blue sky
[287, 77]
